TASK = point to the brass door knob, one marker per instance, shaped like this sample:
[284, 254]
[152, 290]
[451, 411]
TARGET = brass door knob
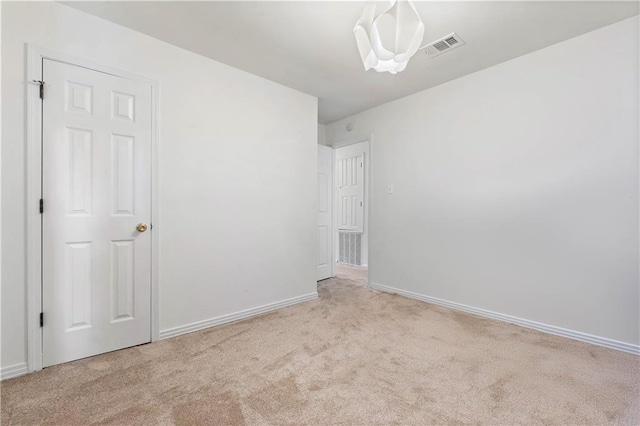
[141, 227]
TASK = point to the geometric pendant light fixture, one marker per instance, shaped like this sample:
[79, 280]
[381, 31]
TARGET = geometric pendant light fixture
[388, 34]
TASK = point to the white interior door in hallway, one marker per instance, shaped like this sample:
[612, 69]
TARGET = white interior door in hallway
[350, 176]
[96, 190]
[325, 232]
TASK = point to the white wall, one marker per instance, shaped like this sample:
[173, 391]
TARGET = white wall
[516, 187]
[238, 171]
[322, 134]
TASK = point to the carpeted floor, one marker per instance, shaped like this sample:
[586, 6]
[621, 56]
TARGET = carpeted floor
[353, 357]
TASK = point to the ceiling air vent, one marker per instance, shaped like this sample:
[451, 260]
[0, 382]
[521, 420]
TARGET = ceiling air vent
[445, 44]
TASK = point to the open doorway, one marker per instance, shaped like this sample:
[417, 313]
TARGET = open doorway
[351, 212]
[343, 212]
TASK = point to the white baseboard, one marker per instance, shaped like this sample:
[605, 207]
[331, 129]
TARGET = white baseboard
[236, 316]
[551, 329]
[21, 369]
[14, 370]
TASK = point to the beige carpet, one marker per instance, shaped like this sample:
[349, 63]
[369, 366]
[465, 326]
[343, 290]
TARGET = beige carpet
[354, 357]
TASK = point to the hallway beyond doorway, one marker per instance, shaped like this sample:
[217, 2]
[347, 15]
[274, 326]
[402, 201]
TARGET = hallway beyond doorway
[357, 274]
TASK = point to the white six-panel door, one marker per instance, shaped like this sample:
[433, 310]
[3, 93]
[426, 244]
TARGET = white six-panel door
[325, 178]
[96, 187]
[350, 184]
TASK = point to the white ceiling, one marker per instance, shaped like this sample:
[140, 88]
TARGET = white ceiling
[310, 46]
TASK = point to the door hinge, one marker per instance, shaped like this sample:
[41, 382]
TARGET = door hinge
[41, 84]
[41, 319]
[41, 205]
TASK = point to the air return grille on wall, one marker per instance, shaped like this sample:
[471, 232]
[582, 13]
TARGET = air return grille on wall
[350, 248]
[445, 44]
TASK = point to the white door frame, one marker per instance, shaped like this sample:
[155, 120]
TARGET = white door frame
[35, 55]
[331, 259]
[367, 190]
